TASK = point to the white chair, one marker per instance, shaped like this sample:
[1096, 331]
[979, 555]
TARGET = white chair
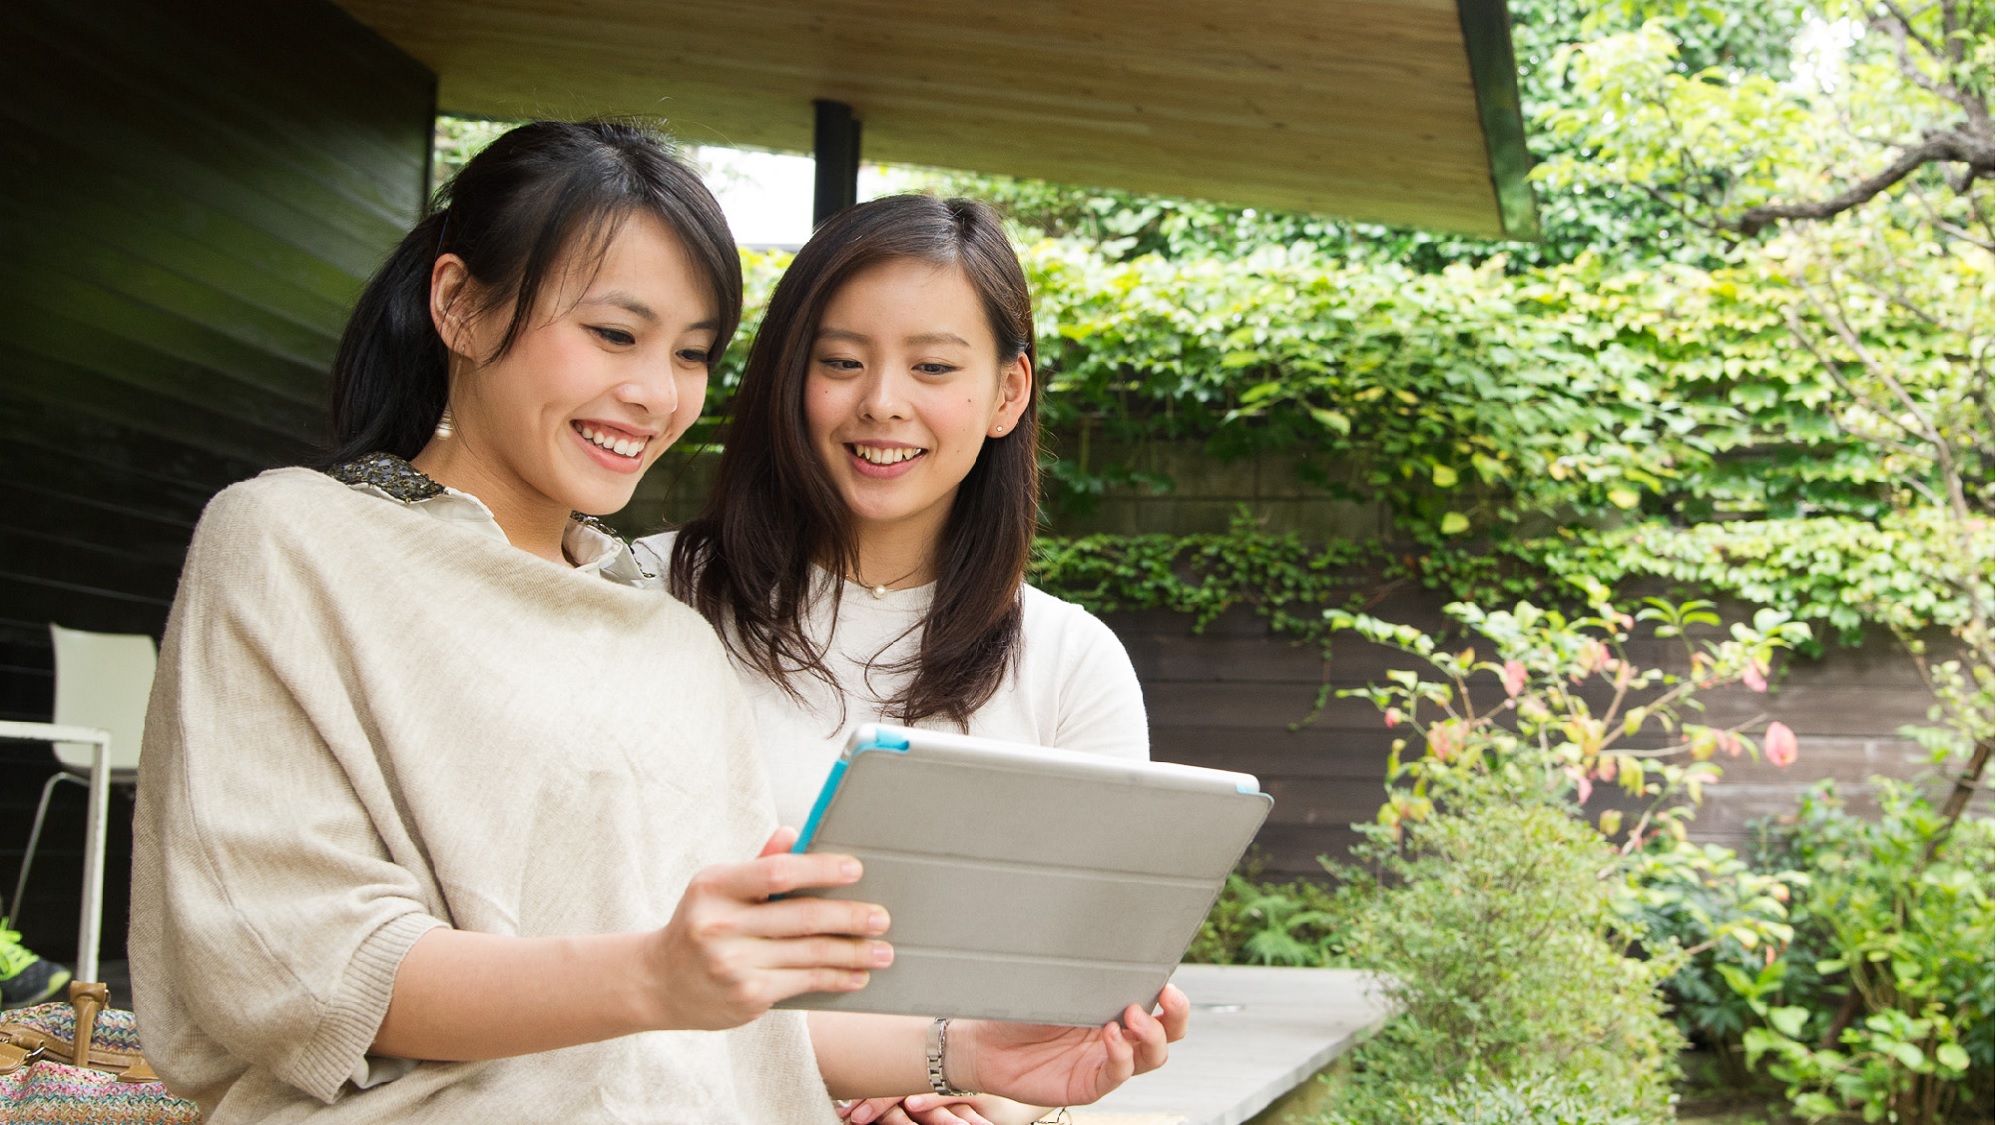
[102, 683]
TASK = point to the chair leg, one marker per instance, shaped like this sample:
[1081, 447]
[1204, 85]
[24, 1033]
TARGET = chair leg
[34, 839]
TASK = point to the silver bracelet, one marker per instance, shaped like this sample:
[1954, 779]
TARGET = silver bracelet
[934, 1061]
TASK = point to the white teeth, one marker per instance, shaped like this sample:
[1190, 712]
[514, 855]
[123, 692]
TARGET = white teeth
[623, 447]
[876, 455]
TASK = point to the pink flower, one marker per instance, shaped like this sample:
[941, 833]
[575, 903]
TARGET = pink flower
[1445, 740]
[1731, 742]
[1753, 678]
[1607, 768]
[1582, 783]
[1392, 717]
[1593, 656]
[1514, 675]
[1781, 746]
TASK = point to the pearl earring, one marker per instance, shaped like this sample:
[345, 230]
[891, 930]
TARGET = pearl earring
[444, 427]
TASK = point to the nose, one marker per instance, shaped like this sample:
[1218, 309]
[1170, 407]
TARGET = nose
[883, 398]
[653, 389]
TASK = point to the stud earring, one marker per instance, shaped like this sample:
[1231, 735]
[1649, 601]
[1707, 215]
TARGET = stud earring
[444, 426]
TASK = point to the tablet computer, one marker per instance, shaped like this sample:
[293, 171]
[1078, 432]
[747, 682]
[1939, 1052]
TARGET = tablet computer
[1025, 883]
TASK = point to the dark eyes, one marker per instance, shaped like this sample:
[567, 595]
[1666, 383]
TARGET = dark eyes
[849, 365]
[620, 338]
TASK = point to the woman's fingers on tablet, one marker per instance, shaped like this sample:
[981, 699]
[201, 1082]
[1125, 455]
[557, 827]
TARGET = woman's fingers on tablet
[783, 873]
[1174, 1009]
[780, 841]
[797, 917]
[833, 952]
[1147, 1036]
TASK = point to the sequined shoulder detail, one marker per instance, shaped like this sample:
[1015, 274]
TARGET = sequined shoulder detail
[389, 473]
[596, 524]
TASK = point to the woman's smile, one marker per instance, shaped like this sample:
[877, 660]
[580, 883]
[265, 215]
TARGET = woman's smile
[883, 461]
[616, 448]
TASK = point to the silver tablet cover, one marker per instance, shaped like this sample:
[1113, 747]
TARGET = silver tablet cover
[1028, 884]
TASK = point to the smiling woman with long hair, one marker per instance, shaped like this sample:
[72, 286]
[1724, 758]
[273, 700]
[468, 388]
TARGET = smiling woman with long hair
[420, 836]
[864, 550]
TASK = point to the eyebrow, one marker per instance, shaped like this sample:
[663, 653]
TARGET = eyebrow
[618, 298]
[920, 338]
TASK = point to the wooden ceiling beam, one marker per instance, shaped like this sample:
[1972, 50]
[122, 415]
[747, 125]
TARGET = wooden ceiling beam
[1400, 111]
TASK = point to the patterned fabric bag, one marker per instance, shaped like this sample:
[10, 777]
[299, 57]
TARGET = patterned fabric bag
[48, 1076]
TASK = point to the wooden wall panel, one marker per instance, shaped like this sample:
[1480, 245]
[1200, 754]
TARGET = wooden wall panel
[191, 194]
[1225, 698]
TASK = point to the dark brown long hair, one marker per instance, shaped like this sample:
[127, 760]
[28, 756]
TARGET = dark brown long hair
[515, 211]
[747, 562]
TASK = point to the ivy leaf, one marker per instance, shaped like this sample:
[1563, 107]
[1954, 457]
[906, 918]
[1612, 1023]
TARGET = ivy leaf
[1623, 497]
[1909, 1054]
[1333, 420]
[1790, 1022]
[1454, 523]
[1444, 476]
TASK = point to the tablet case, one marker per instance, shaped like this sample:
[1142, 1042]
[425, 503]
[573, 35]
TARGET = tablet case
[1024, 883]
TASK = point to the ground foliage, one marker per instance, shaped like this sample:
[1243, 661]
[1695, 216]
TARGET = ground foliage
[1883, 1005]
[1505, 924]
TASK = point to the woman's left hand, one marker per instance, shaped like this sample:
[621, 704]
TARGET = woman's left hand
[1043, 1064]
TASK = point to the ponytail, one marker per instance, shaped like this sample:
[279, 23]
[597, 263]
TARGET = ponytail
[389, 382]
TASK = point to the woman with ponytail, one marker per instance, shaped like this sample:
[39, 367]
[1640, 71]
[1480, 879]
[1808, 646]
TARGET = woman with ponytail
[420, 837]
[864, 550]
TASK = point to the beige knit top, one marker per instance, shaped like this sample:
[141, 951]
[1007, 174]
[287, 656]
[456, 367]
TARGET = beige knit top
[368, 722]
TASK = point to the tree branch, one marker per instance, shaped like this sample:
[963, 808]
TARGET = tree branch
[1946, 458]
[1956, 146]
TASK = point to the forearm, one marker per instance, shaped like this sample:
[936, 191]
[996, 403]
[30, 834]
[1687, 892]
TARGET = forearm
[463, 996]
[870, 1056]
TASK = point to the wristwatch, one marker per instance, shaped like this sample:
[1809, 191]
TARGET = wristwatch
[934, 1060]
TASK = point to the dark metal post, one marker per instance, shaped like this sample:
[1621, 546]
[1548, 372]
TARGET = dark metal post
[836, 158]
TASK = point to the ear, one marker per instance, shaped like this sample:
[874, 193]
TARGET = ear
[1016, 379]
[451, 302]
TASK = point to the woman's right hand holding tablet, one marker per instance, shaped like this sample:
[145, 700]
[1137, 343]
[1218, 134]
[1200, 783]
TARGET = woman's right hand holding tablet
[736, 946]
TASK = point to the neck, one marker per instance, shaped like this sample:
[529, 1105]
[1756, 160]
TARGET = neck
[899, 555]
[530, 520]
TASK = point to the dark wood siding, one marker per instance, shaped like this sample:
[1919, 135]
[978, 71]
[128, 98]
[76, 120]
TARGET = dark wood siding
[1226, 697]
[191, 194]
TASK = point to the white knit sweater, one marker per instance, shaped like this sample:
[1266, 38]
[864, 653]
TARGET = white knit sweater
[368, 722]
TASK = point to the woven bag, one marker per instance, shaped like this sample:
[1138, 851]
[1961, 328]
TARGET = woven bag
[48, 1077]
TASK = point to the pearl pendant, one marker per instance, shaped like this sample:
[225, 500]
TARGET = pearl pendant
[880, 592]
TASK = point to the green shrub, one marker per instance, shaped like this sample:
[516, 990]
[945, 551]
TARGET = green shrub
[1513, 932]
[1487, 1101]
[1298, 924]
[1508, 952]
[1885, 1007]
[1719, 910]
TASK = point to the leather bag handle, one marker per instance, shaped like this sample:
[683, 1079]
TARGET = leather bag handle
[88, 998]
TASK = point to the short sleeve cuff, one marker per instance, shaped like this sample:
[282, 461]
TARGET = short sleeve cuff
[330, 1058]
